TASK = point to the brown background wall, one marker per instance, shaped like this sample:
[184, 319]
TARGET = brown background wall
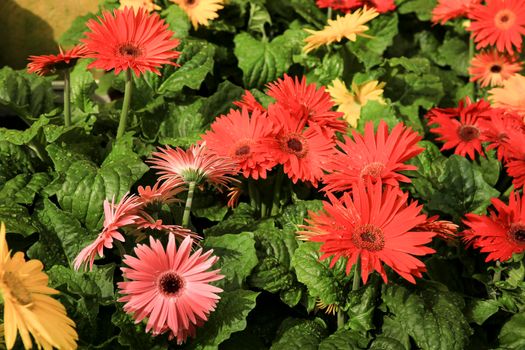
[32, 27]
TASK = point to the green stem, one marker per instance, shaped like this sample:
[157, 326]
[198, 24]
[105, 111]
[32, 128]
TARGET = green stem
[125, 105]
[340, 319]
[356, 282]
[497, 273]
[189, 202]
[276, 203]
[329, 13]
[67, 98]
[471, 52]
[253, 195]
[120, 247]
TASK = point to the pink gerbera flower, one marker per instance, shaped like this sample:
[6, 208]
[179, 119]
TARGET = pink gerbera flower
[130, 40]
[305, 154]
[492, 68]
[162, 192]
[115, 216]
[306, 101]
[446, 10]
[171, 287]
[236, 135]
[375, 155]
[502, 232]
[459, 127]
[194, 165]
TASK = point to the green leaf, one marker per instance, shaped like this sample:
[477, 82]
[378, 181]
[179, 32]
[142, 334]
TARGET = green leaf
[86, 186]
[393, 336]
[489, 167]
[83, 87]
[134, 336]
[262, 61]
[511, 335]
[294, 214]
[322, 281]
[376, 112]
[23, 188]
[237, 257]
[455, 53]
[345, 339]
[259, 16]
[23, 137]
[385, 343]
[458, 188]
[360, 308]
[432, 318]
[16, 218]
[300, 334]
[178, 21]
[71, 237]
[241, 220]
[309, 11]
[229, 317]
[221, 101]
[478, 311]
[14, 160]
[15, 91]
[324, 71]
[183, 124]
[370, 51]
[422, 8]
[196, 62]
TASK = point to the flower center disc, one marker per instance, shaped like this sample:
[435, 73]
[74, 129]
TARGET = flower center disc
[368, 237]
[373, 170]
[17, 288]
[191, 3]
[504, 19]
[242, 149]
[468, 132]
[295, 144]
[495, 68]
[517, 232]
[129, 50]
[170, 284]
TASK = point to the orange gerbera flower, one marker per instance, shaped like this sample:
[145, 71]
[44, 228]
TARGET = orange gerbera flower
[492, 68]
[511, 95]
[500, 23]
[446, 10]
[49, 64]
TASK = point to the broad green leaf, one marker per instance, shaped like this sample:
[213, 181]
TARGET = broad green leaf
[134, 336]
[42, 94]
[369, 51]
[345, 339]
[83, 87]
[294, 214]
[393, 336]
[511, 335]
[263, 61]
[23, 137]
[15, 92]
[322, 281]
[385, 343]
[16, 218]
[63, 158]
[14, 160]
[237, 257]
[360, 307]
[300, 334]
[489, 167]
[432, 318]
[422, 8]
[478, 311]
[71, 236]
[183, 124]
[375, 112]
[229, 317]
[259, 17]
[196, 61]
[178, 21]
[455, 53]
[309, 11]
[324, 71]
[221, 101]
[86, 185]
[23, 188]
[241, 220]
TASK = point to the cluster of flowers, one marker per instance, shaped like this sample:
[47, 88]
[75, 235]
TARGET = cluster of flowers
[346, 6]
[465, 129]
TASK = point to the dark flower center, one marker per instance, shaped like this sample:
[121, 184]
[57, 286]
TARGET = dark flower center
[517, 232]
[17, 288]
[373, 170]
[294, 143]
[495, 68]
[368, 237]
[129, 50]
[468, 133]
[170, 284]
[505, 19]
[242, 151]
[191, 2]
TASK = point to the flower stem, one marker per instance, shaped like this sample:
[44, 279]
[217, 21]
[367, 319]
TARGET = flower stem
[340, 318]
[356, 282]
[189, 201]
[329, 13]
[125, 105]
[67, 98]
[276, 204]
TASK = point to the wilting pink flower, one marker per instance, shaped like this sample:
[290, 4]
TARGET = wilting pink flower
[171, 287]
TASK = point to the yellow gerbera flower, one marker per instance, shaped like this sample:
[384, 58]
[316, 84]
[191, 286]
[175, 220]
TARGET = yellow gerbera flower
[349, 26]
[200, 11]
[511, 96]
[28, 308]
[350, 103]
[138, 4]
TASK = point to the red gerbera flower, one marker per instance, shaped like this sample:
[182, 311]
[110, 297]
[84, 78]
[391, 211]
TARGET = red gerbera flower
[49, 64]
[378, 156]
[446, 10]
[502, 232]
[381, 6]
[305, 101]
[127, 40]
[498, 128]
[374, 225]
[515, 157]
[444, 229]
[249, 102]
[492, 68]
[234, 135]
[171, 287]
[463, 134]
[194, 165]
[304, 153]
[500, 23]
[115, 217]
